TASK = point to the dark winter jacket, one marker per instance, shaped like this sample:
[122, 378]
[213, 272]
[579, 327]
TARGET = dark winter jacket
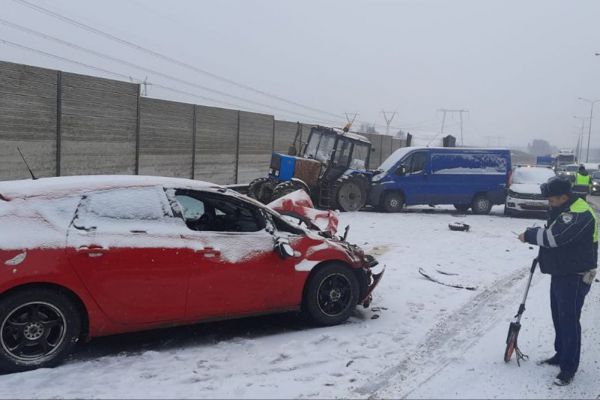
[569, 242]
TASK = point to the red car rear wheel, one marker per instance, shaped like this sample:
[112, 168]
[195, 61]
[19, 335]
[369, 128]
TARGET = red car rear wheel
[38, 328]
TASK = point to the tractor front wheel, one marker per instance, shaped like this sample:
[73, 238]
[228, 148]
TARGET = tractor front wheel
[285, 188]
[261, 189]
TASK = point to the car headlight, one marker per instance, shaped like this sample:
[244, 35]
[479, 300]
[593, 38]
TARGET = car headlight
[377, 177]
[512, 193]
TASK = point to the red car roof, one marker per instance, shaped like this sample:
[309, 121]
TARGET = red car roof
[77, 184]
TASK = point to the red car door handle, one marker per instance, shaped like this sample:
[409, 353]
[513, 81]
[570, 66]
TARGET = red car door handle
[209, 252]
[93, 250]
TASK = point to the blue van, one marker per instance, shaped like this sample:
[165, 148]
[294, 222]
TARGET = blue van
[465, 177]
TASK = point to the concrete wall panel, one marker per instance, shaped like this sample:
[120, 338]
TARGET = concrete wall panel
[216, 144]
[386, 147]
[166, 138]
[375, 159]
[256, 145]
[99, 121]
[285, 132]
[28, 107]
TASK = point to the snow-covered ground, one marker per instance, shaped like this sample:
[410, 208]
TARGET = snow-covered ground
[420, 339]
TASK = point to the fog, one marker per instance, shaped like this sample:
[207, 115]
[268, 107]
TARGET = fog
[517, 66]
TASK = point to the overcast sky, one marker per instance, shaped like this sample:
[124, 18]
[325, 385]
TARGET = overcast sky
[517, 66]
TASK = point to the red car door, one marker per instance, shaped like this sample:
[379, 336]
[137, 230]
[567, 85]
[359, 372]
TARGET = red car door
[236, 269]
[125, 246]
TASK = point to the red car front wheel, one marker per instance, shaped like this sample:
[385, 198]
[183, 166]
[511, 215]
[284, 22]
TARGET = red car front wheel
[331, 295]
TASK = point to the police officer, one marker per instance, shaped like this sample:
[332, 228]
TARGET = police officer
[569, 253]
[582, 177]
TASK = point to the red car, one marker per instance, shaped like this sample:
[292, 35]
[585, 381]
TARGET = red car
[82, 257]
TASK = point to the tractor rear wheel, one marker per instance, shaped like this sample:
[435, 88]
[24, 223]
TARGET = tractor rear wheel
[351, 193]
[261, 189]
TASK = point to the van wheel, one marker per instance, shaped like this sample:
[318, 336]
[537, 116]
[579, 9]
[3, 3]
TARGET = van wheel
[392, 202]
[38, 328]
[331, 295]
[462, 208]
[481, 204]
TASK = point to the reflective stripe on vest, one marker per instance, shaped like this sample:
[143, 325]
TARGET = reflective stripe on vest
[581, 206]
[583, 179]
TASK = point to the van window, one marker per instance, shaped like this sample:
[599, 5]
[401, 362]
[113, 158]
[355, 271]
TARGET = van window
[468, 163]
[416, 162]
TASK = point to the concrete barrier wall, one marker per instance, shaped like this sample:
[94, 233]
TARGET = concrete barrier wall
[28, 107]
[166, 138]
[375, 159]
[216, 145]
[397, 143]
[386, 148]
[98, 126]
[285, 132]
[70, 124]
[255, 145]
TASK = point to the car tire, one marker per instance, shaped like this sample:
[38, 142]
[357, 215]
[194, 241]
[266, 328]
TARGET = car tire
[481, 205]
[508, 212]
[38, 329]
[392, 202]
[331, 295]
[462, 208]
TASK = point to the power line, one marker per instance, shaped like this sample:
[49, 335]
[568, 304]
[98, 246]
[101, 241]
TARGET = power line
[106, 71]
[460, 112]
[150, 70]
[156, 54]
[123, 76]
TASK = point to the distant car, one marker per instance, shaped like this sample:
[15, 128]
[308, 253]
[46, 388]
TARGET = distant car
[595, 183]
[82, 257]
[465, 177]
[524, 193]
[568, 171]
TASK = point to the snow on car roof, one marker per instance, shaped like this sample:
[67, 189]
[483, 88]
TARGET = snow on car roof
[85, 183]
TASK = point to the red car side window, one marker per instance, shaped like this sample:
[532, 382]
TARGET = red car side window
[217, 213]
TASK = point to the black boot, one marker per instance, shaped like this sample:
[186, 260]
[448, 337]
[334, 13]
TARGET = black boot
[550, 361]
[564, 378]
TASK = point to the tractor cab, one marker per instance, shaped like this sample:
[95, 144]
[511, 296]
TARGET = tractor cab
[337, 151]
[332, 168]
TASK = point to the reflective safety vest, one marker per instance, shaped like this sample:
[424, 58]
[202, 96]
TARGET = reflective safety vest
[581, 206]
[583, 179]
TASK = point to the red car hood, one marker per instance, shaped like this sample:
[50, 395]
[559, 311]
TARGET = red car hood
[299, 204]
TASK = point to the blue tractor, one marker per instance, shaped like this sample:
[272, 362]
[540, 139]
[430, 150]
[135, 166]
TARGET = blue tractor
[333, 167]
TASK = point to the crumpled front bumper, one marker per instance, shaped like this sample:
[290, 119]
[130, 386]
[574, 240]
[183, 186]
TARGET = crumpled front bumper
[375, 271]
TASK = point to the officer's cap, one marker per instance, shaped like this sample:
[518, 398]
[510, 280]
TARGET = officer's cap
[556, 186]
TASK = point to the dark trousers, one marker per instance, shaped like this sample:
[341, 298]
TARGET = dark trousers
[567, 294]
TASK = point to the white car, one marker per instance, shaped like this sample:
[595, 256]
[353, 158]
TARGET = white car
[524, 193]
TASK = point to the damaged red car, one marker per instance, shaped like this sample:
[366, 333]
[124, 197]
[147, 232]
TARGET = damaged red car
[82, 257]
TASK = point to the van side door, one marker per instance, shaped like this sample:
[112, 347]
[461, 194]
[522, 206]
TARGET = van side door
[413, 178]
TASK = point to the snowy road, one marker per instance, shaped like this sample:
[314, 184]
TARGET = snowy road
[420, 339]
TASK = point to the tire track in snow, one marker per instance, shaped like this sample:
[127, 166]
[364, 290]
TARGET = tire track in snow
[447, 341]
